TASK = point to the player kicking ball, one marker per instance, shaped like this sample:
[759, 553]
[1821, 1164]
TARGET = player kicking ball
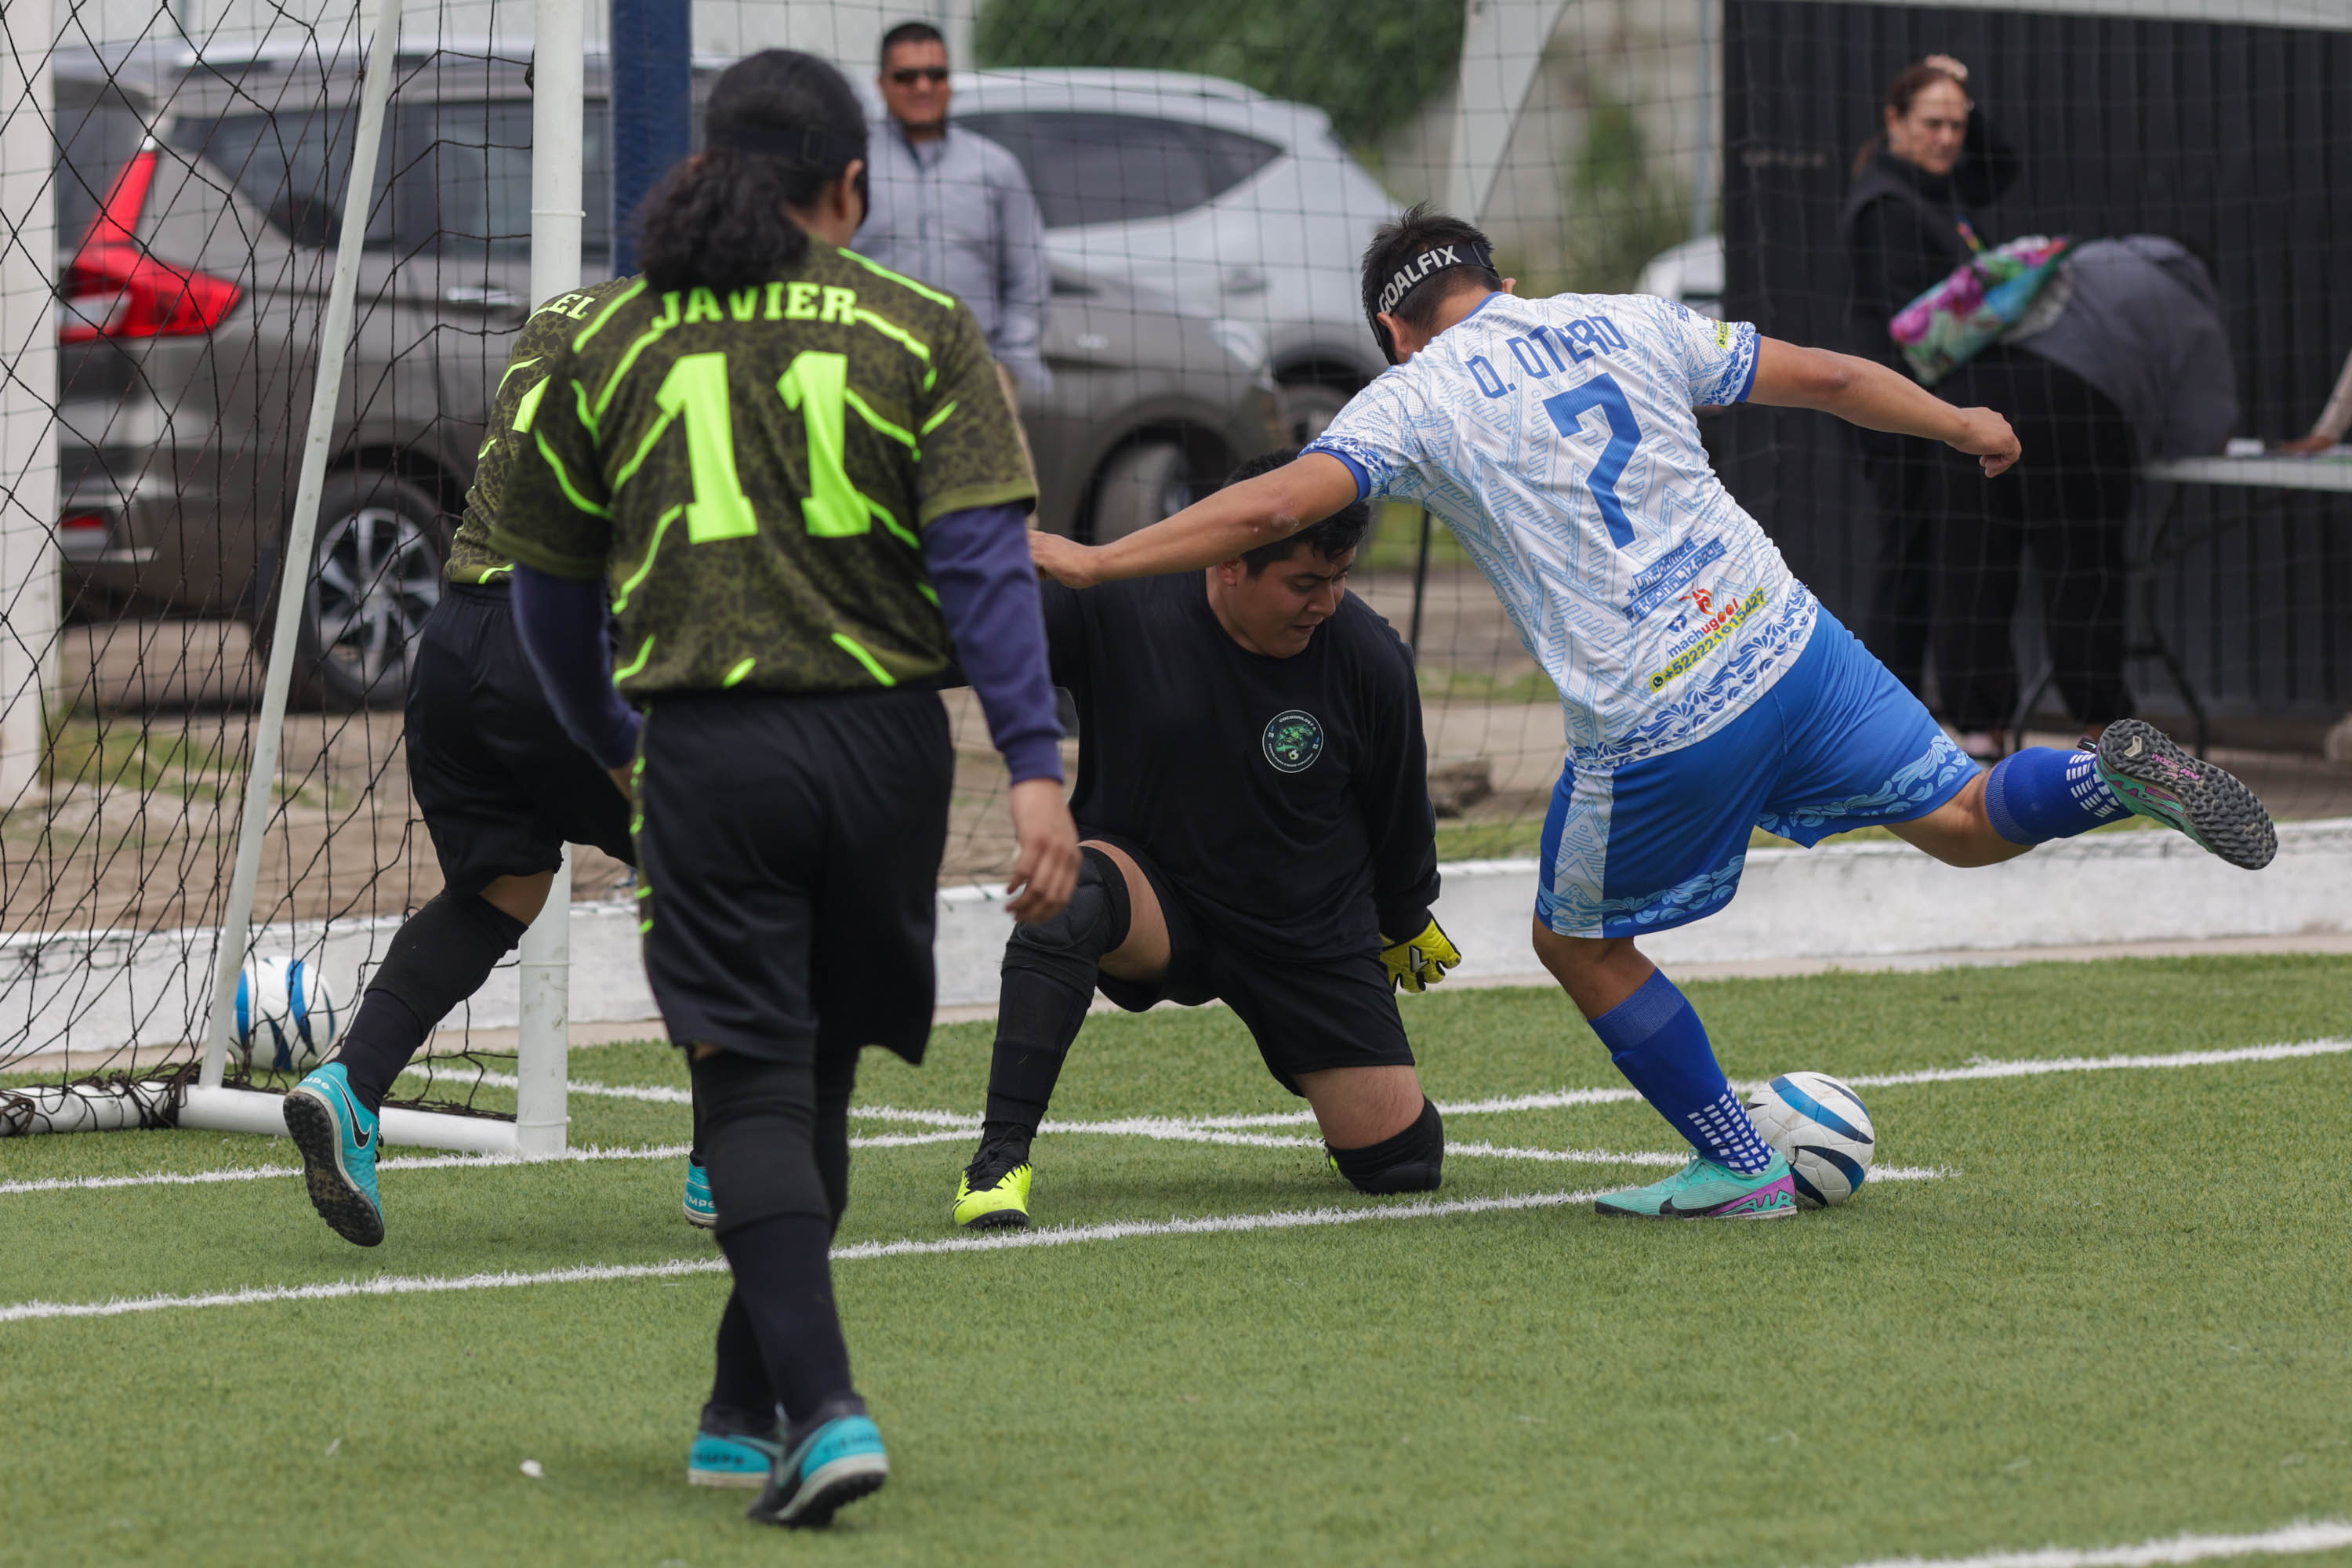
[1254, 797]
[502, 789]
[799, 476]
[1706, 692]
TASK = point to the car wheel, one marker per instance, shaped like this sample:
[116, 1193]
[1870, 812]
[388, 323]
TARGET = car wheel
[375, 575]
[1139, 485]
[1307, 407]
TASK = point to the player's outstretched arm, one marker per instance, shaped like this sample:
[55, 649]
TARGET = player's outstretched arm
[1234, 522]
[1862, 393]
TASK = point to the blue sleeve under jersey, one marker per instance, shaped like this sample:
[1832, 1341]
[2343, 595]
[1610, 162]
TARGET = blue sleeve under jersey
[560, 623]
[980, 567]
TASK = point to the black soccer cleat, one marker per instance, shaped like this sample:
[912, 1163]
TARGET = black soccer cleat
[2158, 780]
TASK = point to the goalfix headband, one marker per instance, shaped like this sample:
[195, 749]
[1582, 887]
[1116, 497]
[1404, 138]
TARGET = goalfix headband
[1437, 258]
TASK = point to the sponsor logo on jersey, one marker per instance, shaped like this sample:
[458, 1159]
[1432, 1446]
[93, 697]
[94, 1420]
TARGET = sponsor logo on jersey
[1293, 741]
[1664, 579]
[1709, 635]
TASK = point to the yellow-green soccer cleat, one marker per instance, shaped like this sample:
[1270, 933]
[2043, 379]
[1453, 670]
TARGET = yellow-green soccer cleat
[993, 1191]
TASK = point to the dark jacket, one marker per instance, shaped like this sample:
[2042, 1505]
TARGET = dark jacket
[2138, 317]
[1905, 228]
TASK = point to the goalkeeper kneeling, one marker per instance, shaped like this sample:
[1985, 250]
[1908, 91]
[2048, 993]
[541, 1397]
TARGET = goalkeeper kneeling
[1254, 802]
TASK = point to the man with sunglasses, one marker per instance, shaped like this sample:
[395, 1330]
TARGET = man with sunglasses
[952, 209]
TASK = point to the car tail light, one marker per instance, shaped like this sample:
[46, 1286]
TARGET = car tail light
[114, 288]
[85, 521]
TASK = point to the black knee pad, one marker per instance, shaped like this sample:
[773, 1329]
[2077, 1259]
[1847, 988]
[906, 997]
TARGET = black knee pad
[443, 952]
[1412, 1161]
[1069, 947]
[758, 1140]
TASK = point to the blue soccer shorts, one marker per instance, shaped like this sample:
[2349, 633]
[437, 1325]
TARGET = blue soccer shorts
[1837, 742]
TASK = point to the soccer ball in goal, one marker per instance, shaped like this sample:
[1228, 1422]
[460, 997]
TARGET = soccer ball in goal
[286, 1016]
[1822, 1129]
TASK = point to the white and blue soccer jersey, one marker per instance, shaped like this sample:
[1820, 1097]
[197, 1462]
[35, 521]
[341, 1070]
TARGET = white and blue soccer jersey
[1705, 691]
[1557, 438]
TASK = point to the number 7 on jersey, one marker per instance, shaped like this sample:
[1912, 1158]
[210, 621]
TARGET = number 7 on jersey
[1568, 411]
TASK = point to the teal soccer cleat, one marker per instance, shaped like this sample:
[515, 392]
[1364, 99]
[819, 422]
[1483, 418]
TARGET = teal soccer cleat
[700, 1212]
[338, 1137]
[2159, 781]
[839, 1462]
[732, 1458]
[1705, 1190]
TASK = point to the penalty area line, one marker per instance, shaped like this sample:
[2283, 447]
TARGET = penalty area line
[598, 1273]
[2287, 1540]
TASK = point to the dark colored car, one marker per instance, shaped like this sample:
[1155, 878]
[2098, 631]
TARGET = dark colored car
[198, 209]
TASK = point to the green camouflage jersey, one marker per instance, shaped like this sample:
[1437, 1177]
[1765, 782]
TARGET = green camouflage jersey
[751, 470]
[471, 559]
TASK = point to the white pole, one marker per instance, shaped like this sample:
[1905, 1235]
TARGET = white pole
[29, 390]
[543, 1043]
[294, 566]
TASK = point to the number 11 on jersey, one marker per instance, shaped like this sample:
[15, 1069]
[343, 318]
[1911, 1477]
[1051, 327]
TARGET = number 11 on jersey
[815, 385]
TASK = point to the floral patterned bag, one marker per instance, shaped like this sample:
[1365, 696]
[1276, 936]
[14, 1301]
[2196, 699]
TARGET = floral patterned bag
[1984, 297]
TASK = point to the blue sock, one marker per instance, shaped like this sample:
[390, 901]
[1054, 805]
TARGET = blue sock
[2041, 794]
[1658, 1043]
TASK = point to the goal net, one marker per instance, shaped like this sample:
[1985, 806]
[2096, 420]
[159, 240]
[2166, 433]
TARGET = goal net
[177, 185]
[172, 186]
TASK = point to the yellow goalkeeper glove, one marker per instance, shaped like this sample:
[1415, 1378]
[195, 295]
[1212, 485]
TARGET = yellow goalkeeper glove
[1421, 962]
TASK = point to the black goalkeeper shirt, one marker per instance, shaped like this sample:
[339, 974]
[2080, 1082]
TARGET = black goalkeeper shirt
[1286, 799]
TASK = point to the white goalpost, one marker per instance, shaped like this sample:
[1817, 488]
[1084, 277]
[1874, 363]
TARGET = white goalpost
[29, 580]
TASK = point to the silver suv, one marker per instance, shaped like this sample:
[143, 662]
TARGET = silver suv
[1242, 209]
[197, 208]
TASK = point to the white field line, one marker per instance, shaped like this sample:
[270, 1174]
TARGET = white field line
[1556, 1100]
[2288, 1540]
[991, 1241]
[1221, 1129]
[389, 1163]
[2030, 1067]
[1560, 1100]
[1618, 1157]
[1139, 1127]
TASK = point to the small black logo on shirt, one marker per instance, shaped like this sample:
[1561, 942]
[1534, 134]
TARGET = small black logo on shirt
[1293, 741]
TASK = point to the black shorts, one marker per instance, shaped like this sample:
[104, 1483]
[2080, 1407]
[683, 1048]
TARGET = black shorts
[1306, 1015]
[502, 787]
[790, 851]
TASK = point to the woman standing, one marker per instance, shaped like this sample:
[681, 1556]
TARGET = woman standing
[797, 477]
[1910, 219]
[2070, 496]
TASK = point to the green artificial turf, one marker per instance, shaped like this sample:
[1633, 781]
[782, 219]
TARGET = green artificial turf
[2120, 1317]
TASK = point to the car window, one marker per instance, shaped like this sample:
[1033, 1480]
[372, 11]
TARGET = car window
[295, 165]
[464, 184]
[1090, 168]
[454, 178]
[95, 140]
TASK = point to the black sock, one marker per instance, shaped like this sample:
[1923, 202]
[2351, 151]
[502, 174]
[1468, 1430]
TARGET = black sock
[1037, 1017]
[382, 1037]
[438, 957]
[741, 1400]
[783, 1280]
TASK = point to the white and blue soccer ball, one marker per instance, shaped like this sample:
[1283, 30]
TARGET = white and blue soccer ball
[286, 1016]
[1824, 1129]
